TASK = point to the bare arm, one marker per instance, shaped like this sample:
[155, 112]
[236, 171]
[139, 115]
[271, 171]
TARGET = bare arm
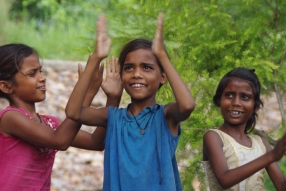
[94, 84]
[212, 151]
[14, 123]
[112, 87]
[274, 171]
[40, 134]
[74, 109]
[185, 104]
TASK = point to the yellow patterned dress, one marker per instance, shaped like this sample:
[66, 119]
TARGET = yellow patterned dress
[237, 155]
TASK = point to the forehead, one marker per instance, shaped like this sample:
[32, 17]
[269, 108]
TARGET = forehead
[30, 61]
[238, 84]
[139, 56]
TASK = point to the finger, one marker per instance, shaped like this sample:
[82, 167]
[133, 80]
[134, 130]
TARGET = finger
[160, 25]
[79, 69]
[113, 64]
[102, 24]
[108, 67]
[117, 66]
[101, 68]
[101, 29]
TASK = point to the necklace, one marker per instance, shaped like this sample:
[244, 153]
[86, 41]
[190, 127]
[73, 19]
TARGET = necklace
[142, 130]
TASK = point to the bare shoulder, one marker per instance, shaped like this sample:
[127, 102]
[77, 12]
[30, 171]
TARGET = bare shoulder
[210, 135]
[211, 142]
[12, 119]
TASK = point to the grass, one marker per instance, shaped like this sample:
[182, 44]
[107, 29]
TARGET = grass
[52, 41]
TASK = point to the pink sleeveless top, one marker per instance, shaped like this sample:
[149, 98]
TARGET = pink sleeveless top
[25, 166]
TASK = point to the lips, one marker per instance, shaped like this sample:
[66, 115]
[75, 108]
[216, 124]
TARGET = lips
[236, 113]
[41, 88]
[137, 85]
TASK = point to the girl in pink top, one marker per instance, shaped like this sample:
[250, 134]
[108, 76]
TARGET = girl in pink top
[28, 140]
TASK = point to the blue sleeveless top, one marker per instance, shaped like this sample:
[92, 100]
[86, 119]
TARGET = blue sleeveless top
[133, 161]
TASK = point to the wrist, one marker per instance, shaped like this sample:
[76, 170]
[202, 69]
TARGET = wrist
[161, 55]
[113, 101]
[272, 156]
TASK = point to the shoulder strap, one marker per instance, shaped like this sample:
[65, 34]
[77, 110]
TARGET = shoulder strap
[259, 141]
[9, 108]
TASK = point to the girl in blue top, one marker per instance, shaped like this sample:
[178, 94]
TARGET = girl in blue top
[141, 139]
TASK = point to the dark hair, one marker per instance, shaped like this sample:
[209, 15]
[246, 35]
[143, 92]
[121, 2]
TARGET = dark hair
[133, 45]
[11, 59]
[252, 79]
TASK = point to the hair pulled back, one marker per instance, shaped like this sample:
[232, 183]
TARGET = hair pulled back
[252, 79]
[133, 45]
[11, 59]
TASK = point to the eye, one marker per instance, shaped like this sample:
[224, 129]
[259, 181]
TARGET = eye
[146, 67]
[128, 67]
[245, 96]
[229, 95]
[32, 73]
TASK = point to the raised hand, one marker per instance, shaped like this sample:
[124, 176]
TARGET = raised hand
[158, 41]
[112, 85]
[102, 42]
[280, 148]
[94, 85]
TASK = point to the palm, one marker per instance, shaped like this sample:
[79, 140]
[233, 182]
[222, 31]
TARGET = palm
[96, 80]
[158, 41]
[112, 85]
[102, 41]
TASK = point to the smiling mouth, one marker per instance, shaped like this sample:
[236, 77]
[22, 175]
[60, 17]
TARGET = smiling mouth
[42, 88]
[235, 112]
[137, 85]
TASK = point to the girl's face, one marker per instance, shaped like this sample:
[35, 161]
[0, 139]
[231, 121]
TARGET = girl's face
[30, 82]
[141, 75]
[237, 102]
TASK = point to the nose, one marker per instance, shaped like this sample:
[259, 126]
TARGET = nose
[236, 101]
[42, 77]
[137, 72]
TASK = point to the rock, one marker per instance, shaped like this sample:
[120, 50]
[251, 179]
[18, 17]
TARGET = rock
[82, 170]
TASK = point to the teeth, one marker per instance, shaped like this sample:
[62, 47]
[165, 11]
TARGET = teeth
[137, 85]
[42, 87]
[235, 112]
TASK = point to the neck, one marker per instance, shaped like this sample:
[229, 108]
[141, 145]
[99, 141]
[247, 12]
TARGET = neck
[135, 109]
[234, 131]
[30, 108]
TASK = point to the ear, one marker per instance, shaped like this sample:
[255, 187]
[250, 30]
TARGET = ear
[5, 87]
[163, 78]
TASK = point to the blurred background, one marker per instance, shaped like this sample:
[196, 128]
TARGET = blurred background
[204, 39]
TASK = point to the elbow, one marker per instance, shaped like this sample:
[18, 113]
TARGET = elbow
[190, 108]
[62, 147]
[224, 184]
[71, 115]
[100, 149]
[187, 109]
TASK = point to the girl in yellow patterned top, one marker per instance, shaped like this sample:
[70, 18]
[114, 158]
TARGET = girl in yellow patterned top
[234, 160]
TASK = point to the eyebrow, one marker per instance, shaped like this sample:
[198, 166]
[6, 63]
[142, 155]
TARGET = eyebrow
[35, 68]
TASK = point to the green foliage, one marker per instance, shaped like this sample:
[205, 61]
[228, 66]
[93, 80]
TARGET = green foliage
[206, 39]
[39, 25]
[63, 11]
